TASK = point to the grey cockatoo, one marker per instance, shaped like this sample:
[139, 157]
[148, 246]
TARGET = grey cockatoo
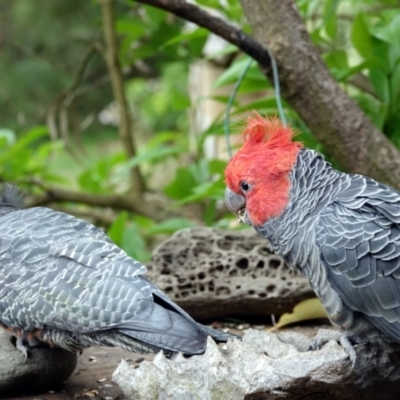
[64, 282]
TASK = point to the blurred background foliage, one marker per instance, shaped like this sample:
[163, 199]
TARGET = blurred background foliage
[59, 124]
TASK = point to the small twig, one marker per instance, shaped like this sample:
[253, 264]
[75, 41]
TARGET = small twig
[117, 83]
[54, 194]
[59, 102]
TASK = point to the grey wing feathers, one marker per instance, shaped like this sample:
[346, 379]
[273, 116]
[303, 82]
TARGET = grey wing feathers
[359, 240]
[60, 272]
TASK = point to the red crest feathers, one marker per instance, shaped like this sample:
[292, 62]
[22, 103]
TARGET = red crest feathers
[265, 161]
[270, 131]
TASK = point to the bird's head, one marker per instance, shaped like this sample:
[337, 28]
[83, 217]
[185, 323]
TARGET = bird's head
[257, 177]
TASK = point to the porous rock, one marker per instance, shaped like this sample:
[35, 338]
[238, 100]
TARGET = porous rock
[264, 366]
[44, 369]
[212, 273]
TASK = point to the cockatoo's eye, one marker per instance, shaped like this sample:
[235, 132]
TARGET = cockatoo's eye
[244, 186]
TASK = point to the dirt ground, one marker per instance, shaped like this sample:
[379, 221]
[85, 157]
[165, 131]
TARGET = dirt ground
[91, 379]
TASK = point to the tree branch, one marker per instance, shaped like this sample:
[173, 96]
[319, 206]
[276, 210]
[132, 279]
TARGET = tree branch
[306, 84]
[117, 82]
[97, 217]
[57, 194]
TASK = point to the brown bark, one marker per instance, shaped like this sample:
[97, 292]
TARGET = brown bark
[334, 118]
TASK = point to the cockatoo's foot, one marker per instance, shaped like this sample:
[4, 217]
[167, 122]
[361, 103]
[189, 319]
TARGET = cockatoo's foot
[21, 347]
[323, 336]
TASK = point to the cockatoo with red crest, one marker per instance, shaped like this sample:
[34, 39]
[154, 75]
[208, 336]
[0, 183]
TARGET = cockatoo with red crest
[342, 231]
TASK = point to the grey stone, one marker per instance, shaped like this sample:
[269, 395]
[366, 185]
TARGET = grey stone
[44, 368]
[213, 273]
[264, 367]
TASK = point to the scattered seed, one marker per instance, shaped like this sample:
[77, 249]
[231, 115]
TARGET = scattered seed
[101, 380]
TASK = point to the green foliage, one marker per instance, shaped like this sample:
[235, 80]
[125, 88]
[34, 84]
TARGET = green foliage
[26, 159]
[358, 39]
[366, 45]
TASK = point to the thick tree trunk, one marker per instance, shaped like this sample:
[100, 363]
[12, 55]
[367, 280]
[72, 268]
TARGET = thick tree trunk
[306, 84]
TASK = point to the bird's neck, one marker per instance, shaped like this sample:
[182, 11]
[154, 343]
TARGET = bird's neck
[314, 183]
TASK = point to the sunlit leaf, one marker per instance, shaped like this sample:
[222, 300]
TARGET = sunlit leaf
[361, 37]
[305, 310]
[152, 155]
[8, 135]
[330, 19]
[235, 70]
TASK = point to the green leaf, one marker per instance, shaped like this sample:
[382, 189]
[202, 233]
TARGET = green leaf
[389, 33]
[343, 74]
[182, 185]
[207, 190]
[330, 19]
[143, 222]
[31, 136]
[395, 85]
[380, 83]
[156, 16]
[263, 104]
[152, 155]
[133, 243]
[376, 111]
[209, 3]
[134, 29]
[394, 56]
[380, 57]
[116, 230]
[337, 59]
[197, 33]
[89, 182]
[8, 135]
[170, 226]
[233, 72]
[217, 166]
[20, 151]
[361, 37]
